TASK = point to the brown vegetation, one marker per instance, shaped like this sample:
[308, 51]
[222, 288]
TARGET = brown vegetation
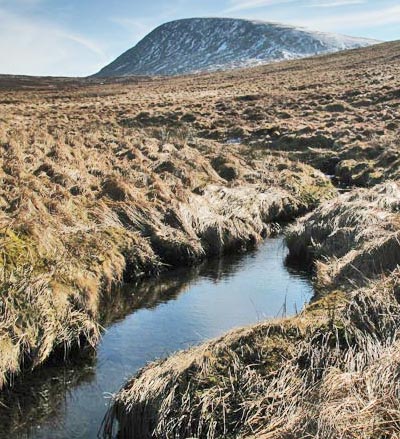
[331, 371]
[355, 237]
[79, 214]
[105, 181]
[88, 200]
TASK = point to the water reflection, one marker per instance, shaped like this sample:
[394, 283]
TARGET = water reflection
[146, 321]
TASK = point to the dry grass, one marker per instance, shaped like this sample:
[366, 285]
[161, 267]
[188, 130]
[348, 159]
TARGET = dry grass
[87, 202]
[78, 216]
[355, 237]
[331, 372]
[102, 182]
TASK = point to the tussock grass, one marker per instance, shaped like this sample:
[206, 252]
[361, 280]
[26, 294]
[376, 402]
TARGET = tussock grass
[354, 237]
[330, 372]
[373, 164]
[102, 182]
[87, 203]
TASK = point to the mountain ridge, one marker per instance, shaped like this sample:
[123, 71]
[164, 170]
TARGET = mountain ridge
[194, 45]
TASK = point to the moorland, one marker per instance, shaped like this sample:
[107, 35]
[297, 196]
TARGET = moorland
[105, 181]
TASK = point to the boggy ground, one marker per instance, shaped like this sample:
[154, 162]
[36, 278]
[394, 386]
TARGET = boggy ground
[333, 370]
[105, 181]
[330, 372]
[89, 199]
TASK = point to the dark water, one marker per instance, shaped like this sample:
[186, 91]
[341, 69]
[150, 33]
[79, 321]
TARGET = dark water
[148, 321]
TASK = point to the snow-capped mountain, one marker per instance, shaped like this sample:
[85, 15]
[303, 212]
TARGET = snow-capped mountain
[206, 44]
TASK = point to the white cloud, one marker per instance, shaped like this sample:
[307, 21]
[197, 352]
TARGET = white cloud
[355, 20]
[335, 3]
[20, 2]
[35, 47]
[244, 5]
[136, 27]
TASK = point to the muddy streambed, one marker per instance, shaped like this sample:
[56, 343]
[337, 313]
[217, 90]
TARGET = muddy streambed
[147, 321]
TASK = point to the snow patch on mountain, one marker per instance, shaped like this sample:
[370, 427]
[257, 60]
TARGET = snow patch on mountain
[208, 44]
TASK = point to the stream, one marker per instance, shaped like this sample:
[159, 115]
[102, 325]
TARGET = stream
[147, 321]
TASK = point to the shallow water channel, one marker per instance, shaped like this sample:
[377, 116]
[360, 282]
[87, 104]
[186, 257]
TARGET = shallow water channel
[147, 321]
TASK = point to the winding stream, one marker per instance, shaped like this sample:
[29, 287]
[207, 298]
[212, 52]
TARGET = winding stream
[147, 321]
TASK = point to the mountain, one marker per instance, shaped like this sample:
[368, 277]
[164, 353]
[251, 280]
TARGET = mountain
[206, 44]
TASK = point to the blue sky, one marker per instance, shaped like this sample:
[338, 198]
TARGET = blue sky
[78, 37]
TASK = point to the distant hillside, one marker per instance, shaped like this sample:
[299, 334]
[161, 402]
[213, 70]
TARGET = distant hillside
[206, 44]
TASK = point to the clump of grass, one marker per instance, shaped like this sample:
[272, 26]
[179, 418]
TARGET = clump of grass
[373, 164]
[354, 237]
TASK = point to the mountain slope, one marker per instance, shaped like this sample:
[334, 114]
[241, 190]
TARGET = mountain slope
[205, 44]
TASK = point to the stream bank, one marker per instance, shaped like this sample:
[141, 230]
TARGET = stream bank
[151, 320]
